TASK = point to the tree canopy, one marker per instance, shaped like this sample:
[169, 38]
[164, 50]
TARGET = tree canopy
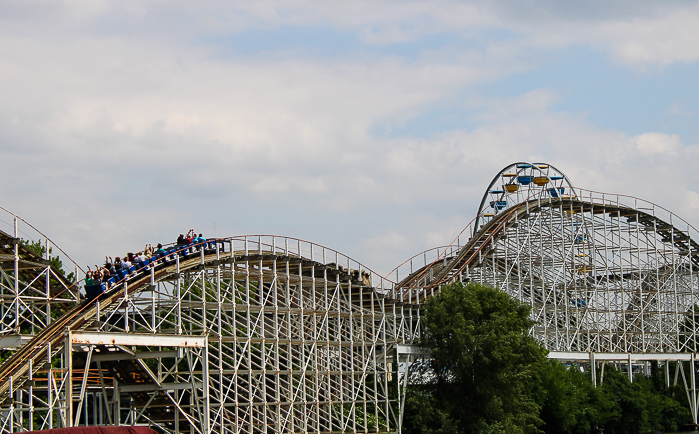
[484, 364]
[486, 374]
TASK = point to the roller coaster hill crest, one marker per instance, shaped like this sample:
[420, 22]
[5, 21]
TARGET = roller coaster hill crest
[265, 333]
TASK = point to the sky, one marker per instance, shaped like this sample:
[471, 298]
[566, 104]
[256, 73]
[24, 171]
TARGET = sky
[370, 127]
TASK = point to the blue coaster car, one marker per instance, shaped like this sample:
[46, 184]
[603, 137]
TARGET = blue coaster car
[94, 291]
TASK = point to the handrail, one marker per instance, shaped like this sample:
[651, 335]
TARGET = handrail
[314, 252]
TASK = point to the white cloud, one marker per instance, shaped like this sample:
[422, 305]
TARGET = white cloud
[661, 40]
[651, 144]
[635, 33]
[640, 34]
[121, 123]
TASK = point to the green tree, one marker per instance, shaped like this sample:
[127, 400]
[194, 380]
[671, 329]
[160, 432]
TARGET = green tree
[484, 364]
[570, 403]
[642, 407]
[55, 261]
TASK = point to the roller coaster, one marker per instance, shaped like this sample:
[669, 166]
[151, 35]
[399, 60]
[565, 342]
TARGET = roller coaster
[274, 334]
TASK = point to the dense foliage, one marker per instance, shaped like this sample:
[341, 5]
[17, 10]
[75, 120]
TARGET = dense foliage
[487, 375]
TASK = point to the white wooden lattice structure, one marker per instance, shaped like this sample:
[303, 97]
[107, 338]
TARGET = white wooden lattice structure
[273, 334]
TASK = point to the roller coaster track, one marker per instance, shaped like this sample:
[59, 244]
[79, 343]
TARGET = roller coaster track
[253, 333]
[353, 278]
[599, 275]
[442, 271]
[17, 365]
[51, 337]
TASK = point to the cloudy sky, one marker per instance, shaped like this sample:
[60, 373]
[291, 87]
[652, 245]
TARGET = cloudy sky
[369, 127]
